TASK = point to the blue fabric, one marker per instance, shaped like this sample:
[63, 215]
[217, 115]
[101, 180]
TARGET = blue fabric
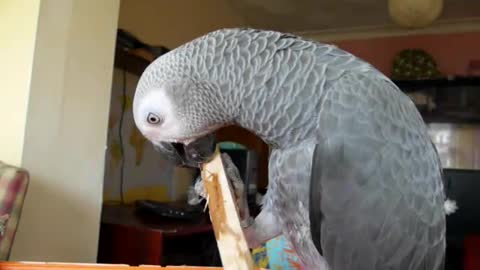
[276, 254]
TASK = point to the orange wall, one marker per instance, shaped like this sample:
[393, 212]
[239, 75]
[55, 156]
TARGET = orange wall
[452, 52]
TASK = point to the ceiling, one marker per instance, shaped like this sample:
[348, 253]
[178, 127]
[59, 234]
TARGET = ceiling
[318, 15]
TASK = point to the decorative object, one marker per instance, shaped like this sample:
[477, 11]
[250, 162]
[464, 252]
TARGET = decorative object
[3, 223]
[14, 182]
[415, 13]
[411, 64]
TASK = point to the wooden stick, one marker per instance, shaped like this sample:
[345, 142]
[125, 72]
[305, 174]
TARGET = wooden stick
[233, 248]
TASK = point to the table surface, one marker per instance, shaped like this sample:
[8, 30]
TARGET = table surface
[93, 266]
[127, 215]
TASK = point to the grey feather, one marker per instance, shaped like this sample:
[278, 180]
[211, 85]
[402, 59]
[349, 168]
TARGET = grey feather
[380, 181]
[377, 193]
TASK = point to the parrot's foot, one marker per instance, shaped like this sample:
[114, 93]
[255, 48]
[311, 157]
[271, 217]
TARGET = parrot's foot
[264, 228]
[257, 231]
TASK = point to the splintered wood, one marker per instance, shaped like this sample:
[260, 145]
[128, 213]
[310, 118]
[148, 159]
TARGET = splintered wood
[231, 242]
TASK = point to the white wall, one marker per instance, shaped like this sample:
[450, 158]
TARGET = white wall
[18, 26]
[65, 133]
[147, 174]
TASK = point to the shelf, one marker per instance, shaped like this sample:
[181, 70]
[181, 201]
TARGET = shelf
[457, 98]
[438, 117]
[457, 81]
[130, 61]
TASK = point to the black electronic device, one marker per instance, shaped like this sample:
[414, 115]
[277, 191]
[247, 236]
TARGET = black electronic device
[170, 210]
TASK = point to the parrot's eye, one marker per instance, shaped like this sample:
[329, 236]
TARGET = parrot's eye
[153, 119]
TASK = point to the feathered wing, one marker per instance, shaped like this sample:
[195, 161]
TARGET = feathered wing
[376, 197]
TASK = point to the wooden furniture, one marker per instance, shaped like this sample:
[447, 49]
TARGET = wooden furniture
[456, 99]
[79, 266]
[127, 237]
[82, 266]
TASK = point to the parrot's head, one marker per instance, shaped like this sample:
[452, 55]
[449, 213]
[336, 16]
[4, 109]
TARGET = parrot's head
[179, 119]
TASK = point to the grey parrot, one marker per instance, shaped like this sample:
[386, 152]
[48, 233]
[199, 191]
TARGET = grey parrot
[355, 181]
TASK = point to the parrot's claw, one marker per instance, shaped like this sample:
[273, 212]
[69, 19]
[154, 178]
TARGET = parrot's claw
[238, 186]
[238, 190]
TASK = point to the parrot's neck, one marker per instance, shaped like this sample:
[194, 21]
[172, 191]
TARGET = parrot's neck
[278, 117]
[275, 125]
[268, 92]
[273, 97]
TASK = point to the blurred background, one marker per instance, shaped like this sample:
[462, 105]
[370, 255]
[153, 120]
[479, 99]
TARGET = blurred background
[98, 192]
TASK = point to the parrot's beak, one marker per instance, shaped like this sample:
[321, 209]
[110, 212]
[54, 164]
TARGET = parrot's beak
[192, 155]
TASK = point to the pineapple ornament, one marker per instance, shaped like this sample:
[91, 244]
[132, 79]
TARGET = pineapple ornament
[411, 64]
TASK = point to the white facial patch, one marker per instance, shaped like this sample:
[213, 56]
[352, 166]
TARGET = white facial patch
[157, 103]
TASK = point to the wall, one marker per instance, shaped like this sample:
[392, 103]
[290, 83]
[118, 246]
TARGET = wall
[458, 145]
[146, 174]
[451, 51]
[16, 51]
[177, 22]
[66, 128]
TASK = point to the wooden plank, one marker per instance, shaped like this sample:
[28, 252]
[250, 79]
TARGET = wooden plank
[6, 265]
[232, 246]
[80, 266]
